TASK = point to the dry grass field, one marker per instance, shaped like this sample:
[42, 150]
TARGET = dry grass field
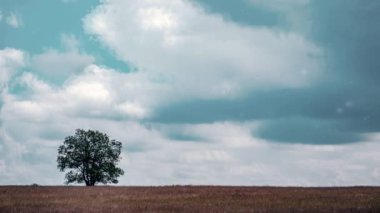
[188, 199]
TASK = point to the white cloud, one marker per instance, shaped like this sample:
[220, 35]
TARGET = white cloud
[1, 15]
[10, 60]
[89, 92]
[94, 92]
[2, 165]
[132, 109]
[14, 20]
[265, 164]
[56, 65]
[181, 53]
[224, 153]
[206, 156]
[33, 83]
[45, 114]
[60, 65]
[177, 42]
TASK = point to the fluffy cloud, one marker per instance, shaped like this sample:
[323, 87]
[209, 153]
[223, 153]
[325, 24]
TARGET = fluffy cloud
[152, 158]
[95, 92]
[57, 66]
[10, 60]
[183, 53]
[179, 43]
[214, 153]
[96, 98]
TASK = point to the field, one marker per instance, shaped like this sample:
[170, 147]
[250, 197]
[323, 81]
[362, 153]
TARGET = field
[188, 199]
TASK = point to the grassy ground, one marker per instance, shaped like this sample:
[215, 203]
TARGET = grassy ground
[188, 199]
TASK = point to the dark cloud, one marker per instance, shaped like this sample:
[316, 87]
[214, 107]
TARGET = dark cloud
[321, 101]
[337, 109]
[349, 33]
[308, 131]
[134, 148]
[184, 137]
[320, 115]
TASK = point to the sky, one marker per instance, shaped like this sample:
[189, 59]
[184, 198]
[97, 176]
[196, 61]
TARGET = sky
[216, 92]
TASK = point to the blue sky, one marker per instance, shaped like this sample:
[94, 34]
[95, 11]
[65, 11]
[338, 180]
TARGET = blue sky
[246, 92]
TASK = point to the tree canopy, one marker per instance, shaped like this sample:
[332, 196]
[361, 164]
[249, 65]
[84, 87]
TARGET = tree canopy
[91, 157]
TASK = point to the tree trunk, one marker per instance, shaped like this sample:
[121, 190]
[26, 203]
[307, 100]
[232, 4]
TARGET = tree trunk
[90, 184]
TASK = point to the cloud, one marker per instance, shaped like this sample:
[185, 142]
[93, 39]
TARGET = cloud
[96, 98]
[315, 115]
[205, 156]
[46, 116]
[95, 92]
[70, 43]
[228, 133]
[332, 110]
[132, 109]
[179, 43]
[307, 131]
[10, 60]
[349, 41]
[209, 99]
[57, 66]
[219, 152]
[14, 20]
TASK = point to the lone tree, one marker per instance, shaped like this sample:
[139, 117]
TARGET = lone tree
[91, 157]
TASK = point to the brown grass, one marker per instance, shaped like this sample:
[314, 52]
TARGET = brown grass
[188, 199]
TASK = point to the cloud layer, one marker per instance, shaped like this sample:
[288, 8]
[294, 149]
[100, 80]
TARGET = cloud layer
[290, 100]
[202, 55]
[10, 60]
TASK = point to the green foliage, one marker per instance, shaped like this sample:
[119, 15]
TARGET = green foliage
[91, 157]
